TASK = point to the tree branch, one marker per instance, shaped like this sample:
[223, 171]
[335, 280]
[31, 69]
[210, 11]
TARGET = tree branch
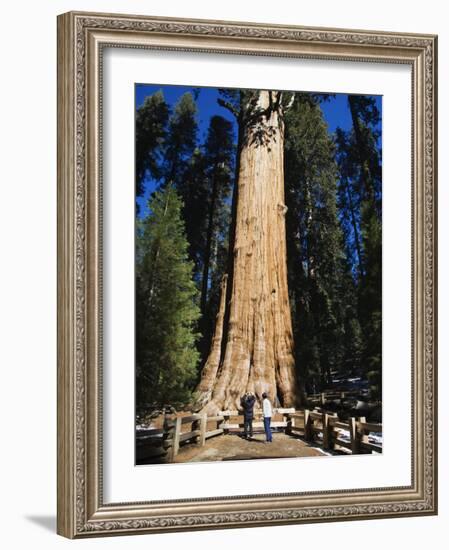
[290, 103]
[228, 106]
[270, 101]
[278, 100]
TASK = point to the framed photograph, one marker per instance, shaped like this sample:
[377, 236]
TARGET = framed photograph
[246, 274]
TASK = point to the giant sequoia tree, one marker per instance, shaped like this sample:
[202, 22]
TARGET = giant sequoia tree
[288, 287]
[252, 348]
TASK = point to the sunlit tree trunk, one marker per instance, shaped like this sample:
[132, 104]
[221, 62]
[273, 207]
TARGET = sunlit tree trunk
[210, 369]
[256, 341]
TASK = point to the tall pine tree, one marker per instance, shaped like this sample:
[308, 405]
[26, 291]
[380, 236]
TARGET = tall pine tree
[166, 310]
[219, 160]
[181, 141]
[151, 131]
[361, 205]
[315, 245]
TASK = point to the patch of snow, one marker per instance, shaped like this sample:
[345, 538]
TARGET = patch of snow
[375, 438]
[343, 435]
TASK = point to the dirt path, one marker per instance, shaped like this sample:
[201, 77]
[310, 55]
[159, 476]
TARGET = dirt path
[234, 447]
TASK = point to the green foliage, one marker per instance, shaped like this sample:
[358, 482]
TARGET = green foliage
[166, 310]
[181, 140]
[316, 258]
[361, 214]
[151, 129]
[202, 175]
[193, 187]
[184, 166]
[219, 153]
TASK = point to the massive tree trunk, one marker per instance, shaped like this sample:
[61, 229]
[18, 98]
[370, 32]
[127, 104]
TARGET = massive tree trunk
[252, 349]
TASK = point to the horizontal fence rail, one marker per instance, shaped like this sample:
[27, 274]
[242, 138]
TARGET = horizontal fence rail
[316, 426]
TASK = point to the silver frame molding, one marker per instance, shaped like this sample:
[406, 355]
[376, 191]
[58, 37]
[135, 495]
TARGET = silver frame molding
[81, 38]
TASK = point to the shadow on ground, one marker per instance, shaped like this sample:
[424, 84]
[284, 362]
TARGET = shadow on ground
[46, 522]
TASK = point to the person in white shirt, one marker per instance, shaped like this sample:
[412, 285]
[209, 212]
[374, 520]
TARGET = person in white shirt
[267, 410]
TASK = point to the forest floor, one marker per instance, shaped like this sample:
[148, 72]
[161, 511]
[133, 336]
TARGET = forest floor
[235, 447]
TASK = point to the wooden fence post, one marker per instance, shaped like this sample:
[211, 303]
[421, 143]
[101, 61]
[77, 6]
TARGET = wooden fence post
[328, 430]
[167, 437]
[226, 421]
[308, 426]
[196, 426]
[203, 429]
[220, 422]
[355, 439]
[176, 435]
[288, 427]
[363, 436]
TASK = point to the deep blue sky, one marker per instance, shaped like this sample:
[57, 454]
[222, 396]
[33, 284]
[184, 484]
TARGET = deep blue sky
[336, 112]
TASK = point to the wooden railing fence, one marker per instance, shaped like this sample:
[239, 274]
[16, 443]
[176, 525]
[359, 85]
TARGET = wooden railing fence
[326, 396]
[316, 426]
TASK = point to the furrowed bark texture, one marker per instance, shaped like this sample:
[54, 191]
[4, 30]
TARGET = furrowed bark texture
[256, 353]
[210, 369]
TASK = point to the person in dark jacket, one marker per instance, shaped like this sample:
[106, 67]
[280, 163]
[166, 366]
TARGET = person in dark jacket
[247, 403]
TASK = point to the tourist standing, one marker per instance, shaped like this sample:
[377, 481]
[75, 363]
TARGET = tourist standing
[267, 410]
[247, 403]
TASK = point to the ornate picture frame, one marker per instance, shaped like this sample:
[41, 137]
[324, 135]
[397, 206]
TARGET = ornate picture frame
[82, 38]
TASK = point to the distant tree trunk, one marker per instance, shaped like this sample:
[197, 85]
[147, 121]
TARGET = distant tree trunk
[209, 236]
[355, 229]
[256, 352]
[367, 188]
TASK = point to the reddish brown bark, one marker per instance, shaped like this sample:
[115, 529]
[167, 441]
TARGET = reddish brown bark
[210, 369]
[256, 353]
